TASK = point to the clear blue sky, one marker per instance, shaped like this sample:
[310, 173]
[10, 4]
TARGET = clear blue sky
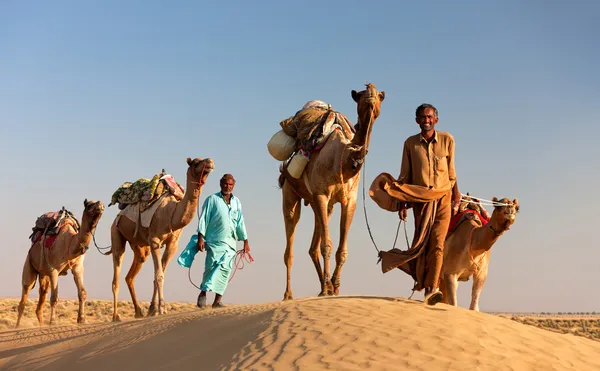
[93, 94]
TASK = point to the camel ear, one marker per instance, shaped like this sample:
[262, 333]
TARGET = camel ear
[85, 203]
[355, 96]
[495, 199]
[189, 161]
[516, 202]
[381, 96]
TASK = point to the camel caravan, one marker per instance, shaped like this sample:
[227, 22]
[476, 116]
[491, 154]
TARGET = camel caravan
[321, 155]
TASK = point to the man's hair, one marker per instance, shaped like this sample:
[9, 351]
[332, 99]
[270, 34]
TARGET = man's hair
[423, 107]
[227, 177]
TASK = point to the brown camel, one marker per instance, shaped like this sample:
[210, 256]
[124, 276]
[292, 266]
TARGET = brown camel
[66, 253]
[467, 249]
[165, 229]
[332, 176]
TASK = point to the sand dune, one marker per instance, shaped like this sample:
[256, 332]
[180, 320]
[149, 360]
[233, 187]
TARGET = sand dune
[340, 333]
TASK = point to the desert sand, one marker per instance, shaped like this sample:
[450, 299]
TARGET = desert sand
[338, 333]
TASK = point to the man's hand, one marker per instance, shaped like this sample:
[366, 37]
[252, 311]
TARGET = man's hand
[200, 244]
[246, 246]
[455, 205]
[403, 211]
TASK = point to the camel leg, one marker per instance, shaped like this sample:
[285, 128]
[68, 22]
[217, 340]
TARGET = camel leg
[53, 294]
[341, 254]
[315, 251]
[159, 277]
[320, 207]
[81, 293]
[140, 254]
[451, 281]
[170, 250]
[43, 292]
[478, 282]
[27, 283]
[118, 249]
[292, 206]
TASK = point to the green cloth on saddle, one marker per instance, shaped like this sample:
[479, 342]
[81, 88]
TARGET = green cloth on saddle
[145, 191]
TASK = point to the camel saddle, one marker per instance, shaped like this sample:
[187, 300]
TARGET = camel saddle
[312, 125]
[49, 224]
[146, 191]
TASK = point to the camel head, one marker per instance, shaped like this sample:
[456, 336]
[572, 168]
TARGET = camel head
[368, 100]
[93, 210]
[199, 169]
[505, 213]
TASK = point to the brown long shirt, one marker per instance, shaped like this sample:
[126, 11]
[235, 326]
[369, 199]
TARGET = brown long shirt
[429, 164]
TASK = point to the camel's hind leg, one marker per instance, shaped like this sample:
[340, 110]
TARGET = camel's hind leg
[81, 293]
[292, 206]
[451, 283]
[27, 283]
[341, 254]
[118, 249]
[140, 254]
[43, 292]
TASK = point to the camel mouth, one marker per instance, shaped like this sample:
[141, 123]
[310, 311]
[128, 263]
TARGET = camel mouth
[206, 170]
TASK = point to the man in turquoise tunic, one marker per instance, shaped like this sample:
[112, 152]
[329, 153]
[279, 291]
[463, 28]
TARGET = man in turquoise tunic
[221, 224]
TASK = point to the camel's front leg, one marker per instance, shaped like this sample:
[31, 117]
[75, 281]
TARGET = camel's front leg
[158, 304]
[292, 207]
[170, 250]
[53, 294]
[320, 206]
[43, 292]
[81, 293]
[478, 282]
[451, 281]
[348, 208]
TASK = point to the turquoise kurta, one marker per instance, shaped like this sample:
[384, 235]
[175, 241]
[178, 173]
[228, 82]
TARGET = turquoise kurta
[222, 225]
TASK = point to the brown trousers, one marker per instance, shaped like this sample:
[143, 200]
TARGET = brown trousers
[434, 250]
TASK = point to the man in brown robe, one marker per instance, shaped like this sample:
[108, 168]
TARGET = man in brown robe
[427, 183]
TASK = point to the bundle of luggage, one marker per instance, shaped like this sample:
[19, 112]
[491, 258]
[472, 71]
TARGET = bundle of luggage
[146, 191]
[49, 224]
[306, 132]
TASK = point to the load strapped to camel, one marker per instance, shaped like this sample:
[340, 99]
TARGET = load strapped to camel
[49, 224]
[306, 132]
[146, 191]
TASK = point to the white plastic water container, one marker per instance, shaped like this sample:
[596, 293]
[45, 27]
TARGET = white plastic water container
[297, 164]
[281, 146]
